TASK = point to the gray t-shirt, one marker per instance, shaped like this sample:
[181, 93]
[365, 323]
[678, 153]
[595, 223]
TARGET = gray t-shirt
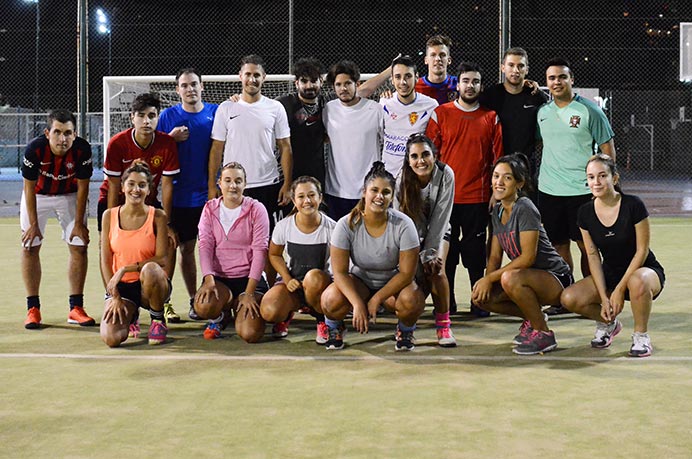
[525, 217]
[376, 260]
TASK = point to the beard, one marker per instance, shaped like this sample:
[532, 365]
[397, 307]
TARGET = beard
[470, 100]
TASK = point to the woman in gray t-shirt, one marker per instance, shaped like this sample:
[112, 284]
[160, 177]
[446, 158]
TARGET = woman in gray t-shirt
[536, 274]
[381, 246]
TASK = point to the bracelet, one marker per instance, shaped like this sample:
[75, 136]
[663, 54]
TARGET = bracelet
[245, 293]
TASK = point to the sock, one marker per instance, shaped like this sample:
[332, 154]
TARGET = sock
[332, 323]
[156, 315]
[319, 317]
[442, 320]
[33, 302]
[192, 302]
[218, 319]
[76, 300]
[404, 328]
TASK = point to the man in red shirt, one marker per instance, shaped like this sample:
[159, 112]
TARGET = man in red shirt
[56, 171]
[469, 139]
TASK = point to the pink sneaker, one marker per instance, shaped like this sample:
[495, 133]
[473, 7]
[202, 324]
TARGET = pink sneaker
[134, 330]
[157, 332]
[322, 333]
[445, 337]
[280, 329]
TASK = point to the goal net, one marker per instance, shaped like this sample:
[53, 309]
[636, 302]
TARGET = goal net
[120, 91]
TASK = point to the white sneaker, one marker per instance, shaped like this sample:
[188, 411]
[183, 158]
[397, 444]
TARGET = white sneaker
[605, 333]
[445, 337]
[641, 345]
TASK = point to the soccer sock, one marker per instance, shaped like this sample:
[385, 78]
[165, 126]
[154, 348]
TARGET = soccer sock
[156, 315]
[332, 323]
[33, 302]
[442, 320]
[76, 300]
[319, 317]
[404, 328]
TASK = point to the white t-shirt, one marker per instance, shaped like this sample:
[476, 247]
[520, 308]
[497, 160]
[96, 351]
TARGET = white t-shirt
[305, 251]
[355, 134]
[400, 121]
[250, 132]
[228, 216]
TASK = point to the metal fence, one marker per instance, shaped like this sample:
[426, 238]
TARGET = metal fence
[628, 49]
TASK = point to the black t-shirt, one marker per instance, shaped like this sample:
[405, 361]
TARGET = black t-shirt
[307, 136]
[617, 243]
[517, 114]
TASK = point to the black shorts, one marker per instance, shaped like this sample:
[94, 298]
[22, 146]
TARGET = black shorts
[237, 285]
[559, 216]
[612, 279]
[132, 291]
[184, 221]
[565, 279]
[268, 196]
[103, 205]
[338, 207]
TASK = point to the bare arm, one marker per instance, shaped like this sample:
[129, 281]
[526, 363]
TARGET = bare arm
[608, 148]
[276, 258]
[408, 262]
[339, 259]
[215, 155]
[287, 166]
[368, 87]
[113, 192]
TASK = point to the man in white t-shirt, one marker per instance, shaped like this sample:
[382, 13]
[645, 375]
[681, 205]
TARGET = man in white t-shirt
[406, 113]
[354, 126]
[247, 131]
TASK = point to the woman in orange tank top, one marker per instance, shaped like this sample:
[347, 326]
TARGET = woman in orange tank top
[133, 253]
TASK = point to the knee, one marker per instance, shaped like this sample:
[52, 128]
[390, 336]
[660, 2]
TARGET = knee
[111, 337]
[269, 309]
[569, 299]
[315, 280]
[509, 279]
[410, 304]
[638, 289]
[250, 335]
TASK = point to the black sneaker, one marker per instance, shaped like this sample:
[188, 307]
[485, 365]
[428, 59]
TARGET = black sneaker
[404, 340]
[336, 338]
[556, 311]
[538, 342]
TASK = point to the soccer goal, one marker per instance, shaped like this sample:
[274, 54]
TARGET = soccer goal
[120, 91]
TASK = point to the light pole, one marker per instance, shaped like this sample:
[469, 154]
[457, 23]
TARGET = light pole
[38, 32]
[104, 27]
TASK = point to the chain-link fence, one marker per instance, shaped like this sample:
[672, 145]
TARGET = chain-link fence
[626, 49]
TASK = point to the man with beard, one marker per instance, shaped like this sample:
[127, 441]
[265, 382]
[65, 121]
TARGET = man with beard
[354, 126]
[406, 113]
[246, 132]
[469, 139]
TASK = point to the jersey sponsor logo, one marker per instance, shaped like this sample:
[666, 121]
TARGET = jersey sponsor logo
[529, 106]
[574, 121]
[28, 163]
[412, 118]
[609, 234]
[156, 161]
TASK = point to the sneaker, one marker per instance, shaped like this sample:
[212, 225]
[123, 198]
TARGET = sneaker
[169, 313]
[79, 316]
[280, 329]
[157, 332]
[479, 312]
[445, 337]
[641, 345]
[322, 333]
[605, 333]
[525, 330]
[404, 340]
[193, 315]
[212, 331]
[134, 329]
[556, 311]
[33, 319]
[538, 342]
[336, 338]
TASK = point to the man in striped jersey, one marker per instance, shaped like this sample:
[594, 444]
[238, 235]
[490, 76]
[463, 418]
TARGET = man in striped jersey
[56, 171]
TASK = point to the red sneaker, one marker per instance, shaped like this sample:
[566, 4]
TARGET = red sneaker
[33, 319]
[78, 316]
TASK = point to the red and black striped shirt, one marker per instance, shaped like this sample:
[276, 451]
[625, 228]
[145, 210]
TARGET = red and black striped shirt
[56, 174]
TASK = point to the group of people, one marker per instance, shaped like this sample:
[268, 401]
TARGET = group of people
[412, 185]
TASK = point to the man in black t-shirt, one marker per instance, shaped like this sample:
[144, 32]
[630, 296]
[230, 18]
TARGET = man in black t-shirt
[516, 105]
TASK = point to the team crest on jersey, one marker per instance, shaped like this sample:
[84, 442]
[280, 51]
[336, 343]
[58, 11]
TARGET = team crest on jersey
[412, 118]
[156, 161]
[574, 121]
[69, 165]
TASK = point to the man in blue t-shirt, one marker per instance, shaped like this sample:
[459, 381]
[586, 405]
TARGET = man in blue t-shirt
[189, 123]
[570, 126]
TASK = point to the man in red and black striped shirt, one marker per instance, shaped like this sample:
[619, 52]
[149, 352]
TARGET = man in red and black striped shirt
[56, 171]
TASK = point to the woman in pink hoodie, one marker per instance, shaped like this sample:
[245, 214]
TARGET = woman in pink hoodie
[233, 240]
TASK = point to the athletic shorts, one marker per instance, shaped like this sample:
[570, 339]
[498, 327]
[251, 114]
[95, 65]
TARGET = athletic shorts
[184, 221]
[237, 285]
[103, 205]
[63, 206]
[338, 207]
[559, 216]
[565, 279]
[132, 291]
[612, 279]
[268, 196]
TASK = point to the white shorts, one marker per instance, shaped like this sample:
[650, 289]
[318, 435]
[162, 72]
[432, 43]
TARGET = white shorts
[63, 206]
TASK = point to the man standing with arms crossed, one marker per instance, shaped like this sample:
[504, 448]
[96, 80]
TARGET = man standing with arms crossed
[56, 171]
[469, 139]
[189, 123]
[569, 127]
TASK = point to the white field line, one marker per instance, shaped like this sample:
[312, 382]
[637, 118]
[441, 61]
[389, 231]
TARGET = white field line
[342, 358]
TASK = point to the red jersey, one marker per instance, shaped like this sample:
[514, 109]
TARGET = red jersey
[469, 142]
[442, 92]
[161, 156]
[56, 174]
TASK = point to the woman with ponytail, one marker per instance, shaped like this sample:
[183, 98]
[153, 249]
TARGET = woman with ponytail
[380, 244]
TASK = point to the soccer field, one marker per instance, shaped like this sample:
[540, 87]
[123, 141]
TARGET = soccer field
[65, 394]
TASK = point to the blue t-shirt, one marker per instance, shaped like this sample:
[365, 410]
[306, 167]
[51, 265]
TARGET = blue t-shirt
[190, 186]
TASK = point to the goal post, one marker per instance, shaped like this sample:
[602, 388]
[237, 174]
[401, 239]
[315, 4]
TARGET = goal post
[120, 91]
